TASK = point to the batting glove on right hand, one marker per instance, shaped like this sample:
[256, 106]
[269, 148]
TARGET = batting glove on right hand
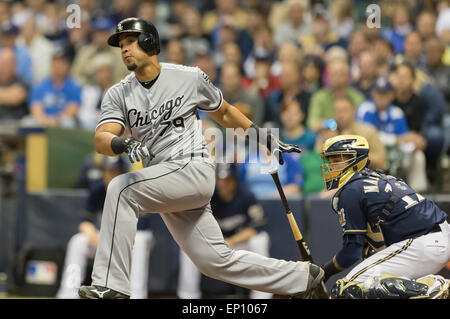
[136, 150]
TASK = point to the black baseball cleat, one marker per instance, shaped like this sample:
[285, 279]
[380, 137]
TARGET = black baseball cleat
[97, 292]
[315, 278]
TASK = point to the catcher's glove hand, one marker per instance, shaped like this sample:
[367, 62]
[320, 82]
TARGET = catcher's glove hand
[136, 150]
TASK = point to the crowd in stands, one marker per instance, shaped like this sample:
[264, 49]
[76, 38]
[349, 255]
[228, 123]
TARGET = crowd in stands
[313, 68]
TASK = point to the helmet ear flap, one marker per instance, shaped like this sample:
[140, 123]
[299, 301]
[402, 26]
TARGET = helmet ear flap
[145, 41]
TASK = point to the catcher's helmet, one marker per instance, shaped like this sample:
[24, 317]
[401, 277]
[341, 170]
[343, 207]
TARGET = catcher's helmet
[355, 147]
[148, 38]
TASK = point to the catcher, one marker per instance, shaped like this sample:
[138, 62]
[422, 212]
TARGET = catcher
[402, 236]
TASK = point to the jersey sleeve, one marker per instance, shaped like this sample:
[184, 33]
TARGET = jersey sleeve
[112, 109]
[209, 97]
[351, 215]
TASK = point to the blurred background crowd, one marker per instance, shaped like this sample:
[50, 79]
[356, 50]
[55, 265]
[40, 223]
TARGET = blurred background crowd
[313, 68]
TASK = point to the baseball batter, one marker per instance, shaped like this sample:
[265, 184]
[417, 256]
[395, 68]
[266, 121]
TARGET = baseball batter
[159, 102]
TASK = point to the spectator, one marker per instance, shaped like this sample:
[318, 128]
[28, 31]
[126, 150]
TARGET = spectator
[232, 54]
[345, 116]
[321, 37]
[226, 11]
[206, 63]
[56, 100]
[438, 71]
[239, 215]
[290, 89]
[231, 85]
[357, 44]
[384, 52]
[367, 73]
[263, 83]
[53, 24]
[341, 18]
[415, 109]
[401, 27]
[8, 37]
[175, 52]
[82, 246]
[404, 148]
[5, 12]
[92, 95]
[414, 49]
[294, 26]
[413, 106]
[256, 18]
[79, 37]
[147, 9]
[287, 52]
[442, 22]
[220, 38]
[312, 73]
[193, 38]
[263, 45]
[122, 9]
[39, 47]
[13, 90]
[292, 129]
[82, 65]
[31, 9]
[321, 105]
[426, 25]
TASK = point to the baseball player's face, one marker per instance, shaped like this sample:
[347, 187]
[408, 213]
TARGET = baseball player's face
[338, 162]
[132, 55]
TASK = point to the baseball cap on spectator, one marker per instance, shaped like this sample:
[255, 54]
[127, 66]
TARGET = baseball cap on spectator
[8, 28]
[382, 84]
[103, 24]
[225, 170]
[62, 53]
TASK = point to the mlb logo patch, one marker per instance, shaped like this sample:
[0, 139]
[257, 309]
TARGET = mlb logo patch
[40, 272]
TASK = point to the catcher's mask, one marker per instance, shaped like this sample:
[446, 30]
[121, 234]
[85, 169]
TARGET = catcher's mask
[348, 153]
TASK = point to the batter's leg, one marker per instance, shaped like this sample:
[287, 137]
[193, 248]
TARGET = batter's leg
[199, 235]
[165, 187]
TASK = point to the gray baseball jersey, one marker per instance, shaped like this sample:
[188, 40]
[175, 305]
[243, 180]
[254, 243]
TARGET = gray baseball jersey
[164, 117]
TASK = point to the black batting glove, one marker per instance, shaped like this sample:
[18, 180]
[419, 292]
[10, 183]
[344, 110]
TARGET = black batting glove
[277, 147]
[280, 147]
[136, 150]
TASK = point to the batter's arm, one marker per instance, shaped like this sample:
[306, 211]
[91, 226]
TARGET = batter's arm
[104, 135]
[229, 116]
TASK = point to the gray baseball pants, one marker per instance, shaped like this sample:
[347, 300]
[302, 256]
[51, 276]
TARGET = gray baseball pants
[180, 192]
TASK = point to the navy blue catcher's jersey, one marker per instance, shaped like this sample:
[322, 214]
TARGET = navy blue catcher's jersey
[241, 212]
[385, 209]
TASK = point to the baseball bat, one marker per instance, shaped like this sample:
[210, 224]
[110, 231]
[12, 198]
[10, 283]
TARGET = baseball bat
[301, 243]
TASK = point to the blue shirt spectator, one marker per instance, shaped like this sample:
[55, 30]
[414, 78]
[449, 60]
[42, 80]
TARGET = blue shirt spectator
[390, 121]
[8, 36]
[56, 100]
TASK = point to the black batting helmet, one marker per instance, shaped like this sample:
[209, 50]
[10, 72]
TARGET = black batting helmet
[148, 38]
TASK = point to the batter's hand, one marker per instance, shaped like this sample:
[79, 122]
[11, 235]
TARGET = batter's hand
[136, 150]
[278, 148]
